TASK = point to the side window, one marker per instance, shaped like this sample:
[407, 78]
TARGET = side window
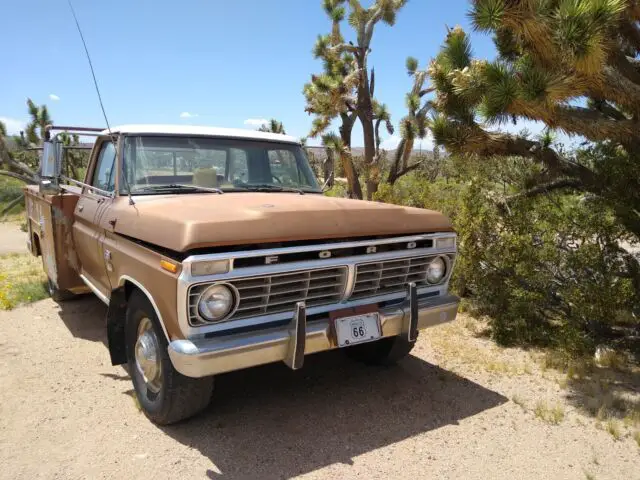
[103, 175]
[284, 167]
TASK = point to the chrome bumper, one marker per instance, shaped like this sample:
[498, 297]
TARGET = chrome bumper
[210, 356]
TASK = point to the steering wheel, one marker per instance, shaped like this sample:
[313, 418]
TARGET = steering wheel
[277, 180]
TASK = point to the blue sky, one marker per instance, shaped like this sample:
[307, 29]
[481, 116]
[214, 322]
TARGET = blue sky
[217, 62]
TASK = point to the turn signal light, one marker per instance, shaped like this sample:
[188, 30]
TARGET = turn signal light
[168, 266]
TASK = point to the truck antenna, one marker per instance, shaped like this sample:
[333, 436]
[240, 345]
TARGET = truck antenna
[93, 73]
[95, 83]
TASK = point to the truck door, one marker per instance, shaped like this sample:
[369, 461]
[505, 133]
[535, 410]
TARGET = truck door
[91, 219]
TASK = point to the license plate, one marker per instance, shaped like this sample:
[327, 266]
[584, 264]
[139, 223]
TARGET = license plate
[357, 329]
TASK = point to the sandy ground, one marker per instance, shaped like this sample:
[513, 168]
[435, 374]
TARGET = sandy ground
[65, 412]
[12, 239]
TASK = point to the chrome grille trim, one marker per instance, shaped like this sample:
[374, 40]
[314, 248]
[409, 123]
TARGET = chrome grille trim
[270, 294]
[186, 280]
[390, 276]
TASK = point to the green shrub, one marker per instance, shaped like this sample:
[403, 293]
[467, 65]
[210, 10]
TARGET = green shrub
[338, 190]
[22, 280]
[545, 270]
[9, 189]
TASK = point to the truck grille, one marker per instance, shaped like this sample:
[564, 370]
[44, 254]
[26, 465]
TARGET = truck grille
[389, 276]
[269, 294]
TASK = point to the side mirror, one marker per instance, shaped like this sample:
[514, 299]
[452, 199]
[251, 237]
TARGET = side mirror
[50, 166]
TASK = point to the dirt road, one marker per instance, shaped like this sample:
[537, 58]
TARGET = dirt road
[65, 412]
[12, 239]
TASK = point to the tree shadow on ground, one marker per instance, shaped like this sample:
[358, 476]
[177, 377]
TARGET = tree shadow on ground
[606, 393]
[272, 422]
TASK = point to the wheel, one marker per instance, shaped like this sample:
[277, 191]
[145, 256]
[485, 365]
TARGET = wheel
[386, 351]
[165, 395]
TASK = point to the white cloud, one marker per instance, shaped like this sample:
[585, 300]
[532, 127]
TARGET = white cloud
[188, 115]
[54, 97]
[256, 122]
[14, 126]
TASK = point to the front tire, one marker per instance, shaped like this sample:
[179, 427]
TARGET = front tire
[386, 351]
[165, 395]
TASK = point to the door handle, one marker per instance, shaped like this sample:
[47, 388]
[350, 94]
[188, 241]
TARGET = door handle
[80, 208]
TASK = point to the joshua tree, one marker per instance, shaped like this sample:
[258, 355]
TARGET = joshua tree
[19, 162]
[10, 167]
[346, 87]
[414, 125]
[36, 129]
[330, 95]
[274, 126]
[572, 64]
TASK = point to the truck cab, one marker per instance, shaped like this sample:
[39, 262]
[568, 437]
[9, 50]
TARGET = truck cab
[216, 250]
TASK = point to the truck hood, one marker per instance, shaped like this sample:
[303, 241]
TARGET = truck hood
[189, 221]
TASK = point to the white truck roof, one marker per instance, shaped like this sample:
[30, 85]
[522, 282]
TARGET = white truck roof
[201, 131]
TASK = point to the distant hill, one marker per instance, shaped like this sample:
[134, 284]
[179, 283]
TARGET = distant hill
[320, 154]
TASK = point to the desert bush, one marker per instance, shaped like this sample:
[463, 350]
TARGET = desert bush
[547, 270]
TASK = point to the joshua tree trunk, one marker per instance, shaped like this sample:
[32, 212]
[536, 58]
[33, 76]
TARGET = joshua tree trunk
[354, 190]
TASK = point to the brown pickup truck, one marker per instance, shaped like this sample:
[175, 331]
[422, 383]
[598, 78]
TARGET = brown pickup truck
[216, 250]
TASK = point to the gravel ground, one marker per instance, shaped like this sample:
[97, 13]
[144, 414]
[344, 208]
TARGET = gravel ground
[65, 412]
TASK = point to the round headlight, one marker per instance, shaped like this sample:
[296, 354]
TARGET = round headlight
[215, 302]
[436, 270]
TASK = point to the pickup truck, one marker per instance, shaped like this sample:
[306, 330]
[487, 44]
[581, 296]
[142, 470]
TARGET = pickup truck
[215, 250]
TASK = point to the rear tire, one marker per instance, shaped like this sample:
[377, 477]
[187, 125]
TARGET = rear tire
[386, 351]
[165, 395]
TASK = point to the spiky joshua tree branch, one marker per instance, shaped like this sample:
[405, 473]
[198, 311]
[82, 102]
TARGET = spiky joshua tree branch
[572, 65]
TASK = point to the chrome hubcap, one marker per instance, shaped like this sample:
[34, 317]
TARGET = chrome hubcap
[148, 356]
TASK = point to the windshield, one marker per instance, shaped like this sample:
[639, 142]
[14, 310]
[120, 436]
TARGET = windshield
[154, 164]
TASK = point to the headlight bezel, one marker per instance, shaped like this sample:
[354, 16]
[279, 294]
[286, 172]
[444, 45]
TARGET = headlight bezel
[235, 301]
[446, 262]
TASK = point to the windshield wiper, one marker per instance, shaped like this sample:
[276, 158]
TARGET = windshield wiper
[267, 187]
[178, 187]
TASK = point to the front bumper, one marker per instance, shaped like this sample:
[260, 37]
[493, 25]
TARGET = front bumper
[210, 356]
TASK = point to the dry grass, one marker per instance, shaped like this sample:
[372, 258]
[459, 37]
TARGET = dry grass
[632, 414]
[22, 280]
[518, 400]
[608, 397]
[552, 414]
[573, 367]
[614, 427]
[589, 475]
[458, 343]
[601, 386]
[636, 437]
[477, 327]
